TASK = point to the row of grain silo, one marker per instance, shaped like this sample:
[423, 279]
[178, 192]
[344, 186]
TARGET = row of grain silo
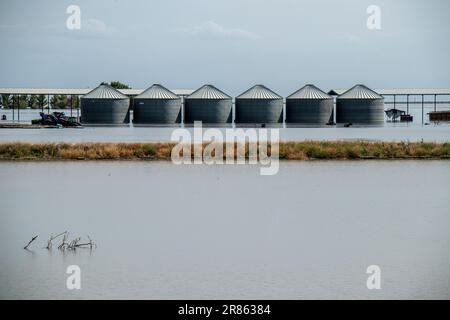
[209, 105]
[157, 105]
[360, 105]
[257, 105]
[105, 105]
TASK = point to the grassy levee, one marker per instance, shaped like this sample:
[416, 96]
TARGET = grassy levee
[302, 150]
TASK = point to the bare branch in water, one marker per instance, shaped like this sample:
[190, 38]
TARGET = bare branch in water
[34, 238]
[91, 243]
[73, 244]
[49, 242]
[63, 245]
[66, 244]
[83, 244]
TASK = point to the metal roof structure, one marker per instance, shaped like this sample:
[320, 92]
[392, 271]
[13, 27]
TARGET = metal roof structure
[78, 92]
[159, 92]
[208, 92]
[309, 91]
[259, 92]
[360, 92]
[44, 91]
[186, 92]
[104, 91]
[418, 91]
[403, 91]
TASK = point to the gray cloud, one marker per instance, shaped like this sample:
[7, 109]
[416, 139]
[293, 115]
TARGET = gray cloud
[232, 43]
[97, 27]
[215, 30]
[89, 28]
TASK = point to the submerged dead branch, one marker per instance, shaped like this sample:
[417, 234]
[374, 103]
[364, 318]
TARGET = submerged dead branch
[49, 242]
[32, 239]
[66, 244]
[76, 243]
[89, 244]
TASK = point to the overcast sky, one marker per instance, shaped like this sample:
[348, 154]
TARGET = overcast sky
[232, 44]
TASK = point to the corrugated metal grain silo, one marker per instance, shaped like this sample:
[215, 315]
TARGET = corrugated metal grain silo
[360, 105]
[105, 105]
[309, 105]
[259, 105]
[157, 105]
[209, 105]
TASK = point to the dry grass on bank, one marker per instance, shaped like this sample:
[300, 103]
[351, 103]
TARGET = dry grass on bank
[363, 150]
[305, 150]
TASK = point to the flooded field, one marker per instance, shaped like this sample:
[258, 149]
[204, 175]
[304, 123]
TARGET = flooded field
[389, 132]
[225, 232]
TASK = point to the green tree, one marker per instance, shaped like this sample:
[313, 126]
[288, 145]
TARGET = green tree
[59, 101]
[33, 102]
[6, 101]
[42, 101]
[74, 100]
[20, 101]
[117, 85]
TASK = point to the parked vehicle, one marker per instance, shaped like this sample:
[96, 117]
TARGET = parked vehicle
[57, 118]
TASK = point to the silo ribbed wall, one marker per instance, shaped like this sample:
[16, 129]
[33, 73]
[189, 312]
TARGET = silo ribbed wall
[207, 110]
[362, 111]
[259, 111]
[309, 111]
[105, 111]
[157, 111]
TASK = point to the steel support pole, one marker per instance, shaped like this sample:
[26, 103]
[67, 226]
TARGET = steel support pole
[14, 118]
[78, 109]
[394, 120]
[422, 109]
[183, 101]
[18, 108]
[435, 103]
[407, 104]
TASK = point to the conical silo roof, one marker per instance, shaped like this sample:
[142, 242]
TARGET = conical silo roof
[309, 92]
[104, 91]
[259, 92]
[159, 92]
[360, 92]
[208, 92]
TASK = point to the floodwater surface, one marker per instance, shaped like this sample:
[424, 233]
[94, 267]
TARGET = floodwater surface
[225, 232]
[432, 132]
